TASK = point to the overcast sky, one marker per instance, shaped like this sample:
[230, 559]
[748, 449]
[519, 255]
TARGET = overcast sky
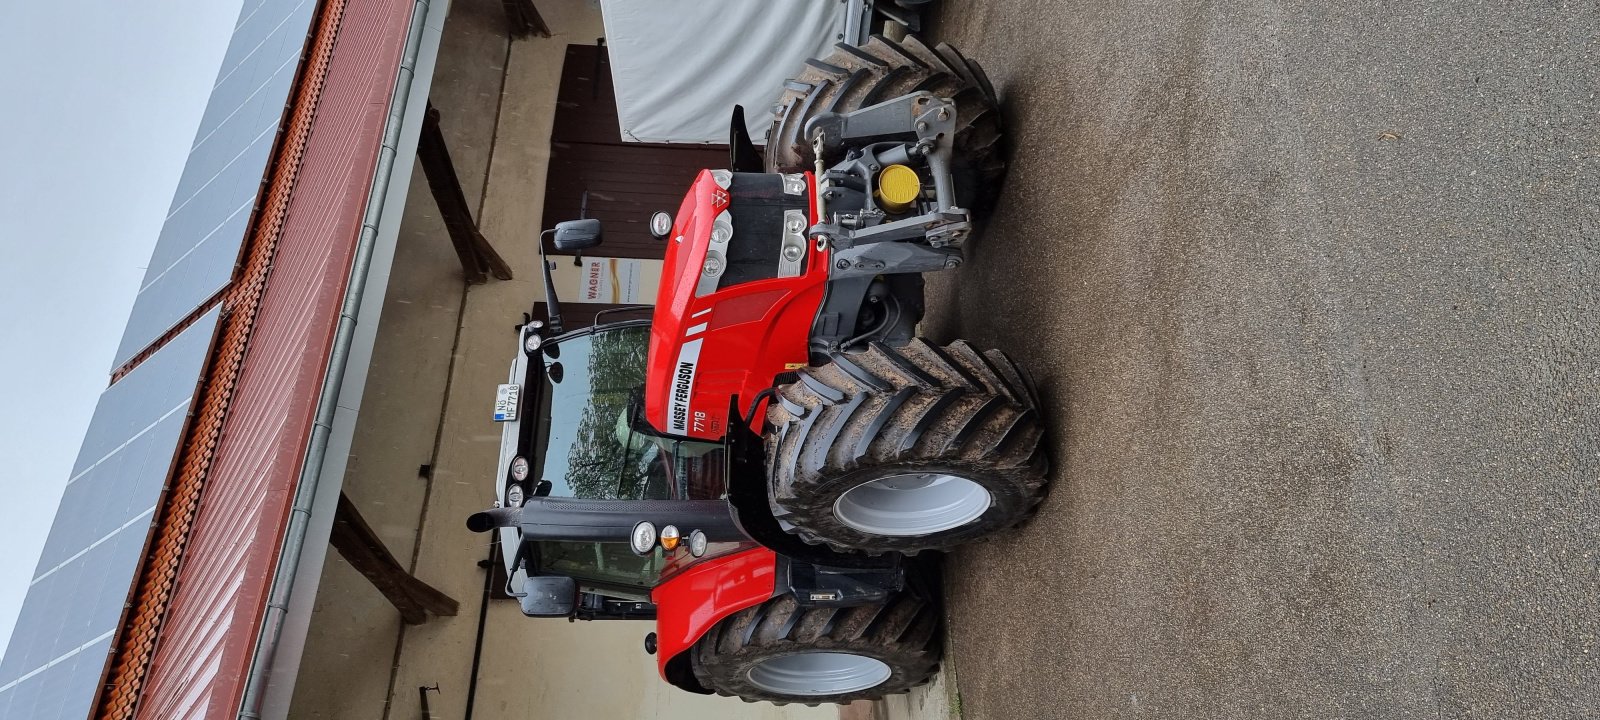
[101, 104]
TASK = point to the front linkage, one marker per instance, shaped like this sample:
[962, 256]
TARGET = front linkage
[864, 240]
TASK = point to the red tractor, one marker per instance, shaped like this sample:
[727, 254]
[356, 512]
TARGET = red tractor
[759, 463]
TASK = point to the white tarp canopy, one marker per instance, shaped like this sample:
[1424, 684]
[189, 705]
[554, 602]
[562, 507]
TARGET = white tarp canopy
[680, 66]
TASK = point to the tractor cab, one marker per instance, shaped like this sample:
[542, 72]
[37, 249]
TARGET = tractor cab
[571, 428]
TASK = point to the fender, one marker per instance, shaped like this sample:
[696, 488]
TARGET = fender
[691, 603]
[752, 505]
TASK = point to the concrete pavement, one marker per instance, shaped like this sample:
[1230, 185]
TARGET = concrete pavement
[936, 700]
[1311, 290]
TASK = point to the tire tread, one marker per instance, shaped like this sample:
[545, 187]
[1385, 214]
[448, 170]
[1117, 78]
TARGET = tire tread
[888, 410]
[852, 77]
[902, 632]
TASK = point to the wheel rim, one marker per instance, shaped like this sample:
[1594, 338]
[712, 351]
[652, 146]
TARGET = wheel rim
[912, 504]
[819, 673]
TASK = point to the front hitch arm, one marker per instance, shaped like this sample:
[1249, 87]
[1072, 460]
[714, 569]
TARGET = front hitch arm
[931, 120]
[929, 123]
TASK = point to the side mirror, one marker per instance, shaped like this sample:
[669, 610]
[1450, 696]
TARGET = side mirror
[549, 596]
[577, 235]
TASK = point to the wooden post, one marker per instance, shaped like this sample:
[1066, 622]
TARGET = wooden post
[362, 548]
[478, 257]
[524, 20]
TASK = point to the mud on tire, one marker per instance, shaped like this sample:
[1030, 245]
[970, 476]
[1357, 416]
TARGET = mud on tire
[885, 412]
[902, 633]
[851, 78]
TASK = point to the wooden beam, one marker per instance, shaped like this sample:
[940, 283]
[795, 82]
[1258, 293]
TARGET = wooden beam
[478, 257]
[524, 20]
[361, 547]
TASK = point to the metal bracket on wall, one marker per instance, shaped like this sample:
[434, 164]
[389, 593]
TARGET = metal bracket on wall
[422, 701]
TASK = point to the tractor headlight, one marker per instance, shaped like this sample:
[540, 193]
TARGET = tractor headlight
[643, 538]
[532, 342]
[519, 468]
[514, 496]
[670, 538]
[697, 543]
[660, 225]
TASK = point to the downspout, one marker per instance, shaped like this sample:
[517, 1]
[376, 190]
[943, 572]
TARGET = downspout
[316, 450]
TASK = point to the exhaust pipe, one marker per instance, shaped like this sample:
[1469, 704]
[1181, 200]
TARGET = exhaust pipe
[486, 520]
[575, 520]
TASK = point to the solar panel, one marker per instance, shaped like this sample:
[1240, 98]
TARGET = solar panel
[199, 246]
[58, 651]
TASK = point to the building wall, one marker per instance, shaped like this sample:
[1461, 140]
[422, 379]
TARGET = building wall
[441, 350]
[599, 176]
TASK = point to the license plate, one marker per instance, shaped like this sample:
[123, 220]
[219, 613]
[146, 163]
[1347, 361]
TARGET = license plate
[506, 402]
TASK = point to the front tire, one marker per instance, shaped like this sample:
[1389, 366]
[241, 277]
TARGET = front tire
[851, 78]
[905, 449]
[781, 652]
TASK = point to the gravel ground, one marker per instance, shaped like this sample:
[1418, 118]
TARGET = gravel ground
[1311, 290]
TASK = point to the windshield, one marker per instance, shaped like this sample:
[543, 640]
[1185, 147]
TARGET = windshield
[597, 446]
[590, 450]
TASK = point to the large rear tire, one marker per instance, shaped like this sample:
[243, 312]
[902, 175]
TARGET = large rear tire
[854, 77]
[905, 449]
[780, 652]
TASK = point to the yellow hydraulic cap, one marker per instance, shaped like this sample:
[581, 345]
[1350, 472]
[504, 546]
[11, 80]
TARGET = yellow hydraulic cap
[898, 187]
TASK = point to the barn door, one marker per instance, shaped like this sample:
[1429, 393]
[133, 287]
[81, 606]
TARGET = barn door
[593, 173]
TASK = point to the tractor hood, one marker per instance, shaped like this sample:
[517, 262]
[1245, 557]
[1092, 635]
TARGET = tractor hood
[741, 289]
[674, 355]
